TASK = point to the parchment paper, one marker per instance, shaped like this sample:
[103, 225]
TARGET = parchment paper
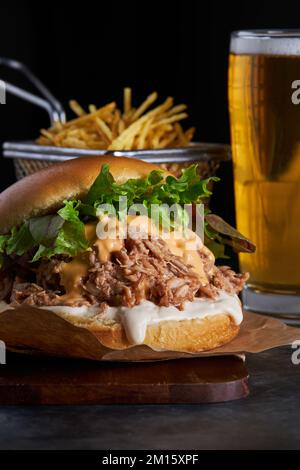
[35, 331]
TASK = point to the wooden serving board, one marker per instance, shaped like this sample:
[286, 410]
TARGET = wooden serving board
[29, 380]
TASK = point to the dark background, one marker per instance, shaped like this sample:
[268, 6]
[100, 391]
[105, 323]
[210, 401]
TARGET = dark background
[91, 50]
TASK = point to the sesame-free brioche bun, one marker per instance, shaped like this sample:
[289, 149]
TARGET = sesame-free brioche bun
[189, 335]
[192, 336]
[45, 190]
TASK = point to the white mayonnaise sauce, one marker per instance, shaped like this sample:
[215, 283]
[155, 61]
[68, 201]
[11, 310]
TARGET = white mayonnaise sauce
[83, 311]
[136, 319]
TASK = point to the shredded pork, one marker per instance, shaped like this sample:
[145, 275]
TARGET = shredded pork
[32, 294]
[142, 269]
[48, 274]
[226, 279]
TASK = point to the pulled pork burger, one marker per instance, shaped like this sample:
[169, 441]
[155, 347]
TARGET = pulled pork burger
[158, 285]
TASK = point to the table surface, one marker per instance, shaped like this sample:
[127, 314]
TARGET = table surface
[268, 419]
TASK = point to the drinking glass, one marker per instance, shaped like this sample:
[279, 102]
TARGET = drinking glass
[264, 106]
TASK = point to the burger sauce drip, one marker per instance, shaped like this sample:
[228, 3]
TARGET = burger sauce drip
[72, 272]
[71, 275]
[188, 250]
[186, 247]
[109, 244]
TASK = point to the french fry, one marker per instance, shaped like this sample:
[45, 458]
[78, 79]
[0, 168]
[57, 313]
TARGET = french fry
[128, 117]
[169, 120]
[180, 134]
[115, 124]
[145, 105]
[132, 128]
[104, 128]
[189, 134]
[143, 134]
[127, 100]
[121, 126]
[166, 142]
[47, 134]
[176, 109]
[76, 108]
[83, 119]
[58, 126]
[73, 142]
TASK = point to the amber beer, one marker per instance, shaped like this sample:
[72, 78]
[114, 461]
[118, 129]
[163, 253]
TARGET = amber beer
[264, 97]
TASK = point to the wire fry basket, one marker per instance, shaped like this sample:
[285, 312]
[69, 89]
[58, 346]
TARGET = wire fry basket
[27, 167]
[29, 157]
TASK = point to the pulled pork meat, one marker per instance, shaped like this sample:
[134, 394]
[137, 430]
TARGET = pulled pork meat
[226, 279]
[32, 294]
[142, 269]
[48, 274]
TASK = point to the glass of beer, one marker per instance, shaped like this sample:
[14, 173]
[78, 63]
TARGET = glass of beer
[264, 105]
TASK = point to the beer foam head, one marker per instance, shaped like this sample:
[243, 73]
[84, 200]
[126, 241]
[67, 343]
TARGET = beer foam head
[273, 42]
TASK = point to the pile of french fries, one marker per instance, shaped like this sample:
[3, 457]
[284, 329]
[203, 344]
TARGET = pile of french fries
[132, 128]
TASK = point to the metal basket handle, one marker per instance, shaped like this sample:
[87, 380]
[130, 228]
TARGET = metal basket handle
[50, 104]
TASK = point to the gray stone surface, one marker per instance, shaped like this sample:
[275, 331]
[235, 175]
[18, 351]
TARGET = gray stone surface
[268, 419]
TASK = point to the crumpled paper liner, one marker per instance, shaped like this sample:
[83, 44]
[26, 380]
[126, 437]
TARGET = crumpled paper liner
[35, 331]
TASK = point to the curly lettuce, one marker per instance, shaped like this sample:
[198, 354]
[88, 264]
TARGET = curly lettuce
[64, 233]
[60, 233]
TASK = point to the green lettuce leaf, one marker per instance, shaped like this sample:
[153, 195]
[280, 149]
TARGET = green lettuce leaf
[20, 240]
[3, 243]
[101, 186]
[45, 228]
[151, 190]
[70, 237]
[72, 234]
[63, 232]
